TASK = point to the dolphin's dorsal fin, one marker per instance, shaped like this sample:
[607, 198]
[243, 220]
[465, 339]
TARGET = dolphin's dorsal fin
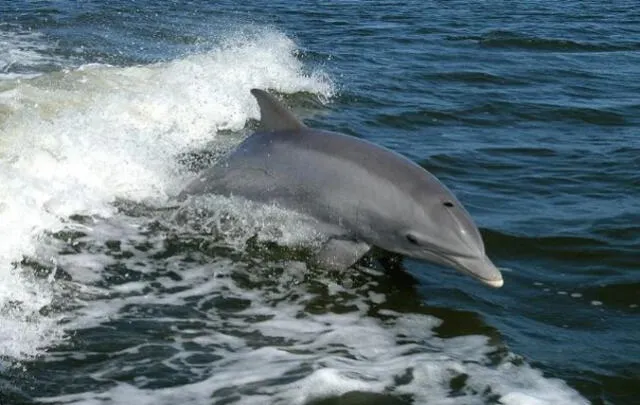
[273, 115]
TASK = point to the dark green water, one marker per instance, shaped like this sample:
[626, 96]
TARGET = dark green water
[528, 111]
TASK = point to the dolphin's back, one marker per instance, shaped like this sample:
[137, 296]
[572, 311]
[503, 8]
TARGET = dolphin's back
[330, 176]
[295, 166]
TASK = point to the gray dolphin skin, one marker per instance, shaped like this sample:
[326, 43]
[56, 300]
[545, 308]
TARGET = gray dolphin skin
[362, 194]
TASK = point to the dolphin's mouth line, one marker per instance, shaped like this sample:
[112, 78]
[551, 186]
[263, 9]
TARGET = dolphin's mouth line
[444, 253]
[487, 280]
[449, 259]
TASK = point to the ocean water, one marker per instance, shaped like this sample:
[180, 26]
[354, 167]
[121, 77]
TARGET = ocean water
[111, 292]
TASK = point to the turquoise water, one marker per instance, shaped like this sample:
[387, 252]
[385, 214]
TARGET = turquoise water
[112, 293]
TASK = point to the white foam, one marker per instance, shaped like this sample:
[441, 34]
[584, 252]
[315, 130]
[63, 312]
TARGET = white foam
[23, 53]
[332, 354]
[275, 351]
[236, 220]
[74, 141]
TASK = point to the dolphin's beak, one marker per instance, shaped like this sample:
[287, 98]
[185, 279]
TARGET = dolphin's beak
[480, 268]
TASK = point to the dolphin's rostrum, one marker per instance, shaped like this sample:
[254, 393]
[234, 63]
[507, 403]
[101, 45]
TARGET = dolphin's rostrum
[364, 195]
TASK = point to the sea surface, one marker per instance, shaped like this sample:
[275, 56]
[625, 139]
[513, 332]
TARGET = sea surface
[113, 292]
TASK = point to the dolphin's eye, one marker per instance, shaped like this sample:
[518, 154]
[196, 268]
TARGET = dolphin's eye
[412, 239]
[448, 204]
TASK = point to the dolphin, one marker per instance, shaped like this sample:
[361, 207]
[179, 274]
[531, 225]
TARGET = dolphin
[361, 194]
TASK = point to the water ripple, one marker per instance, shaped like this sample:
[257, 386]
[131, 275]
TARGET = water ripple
[515, 40]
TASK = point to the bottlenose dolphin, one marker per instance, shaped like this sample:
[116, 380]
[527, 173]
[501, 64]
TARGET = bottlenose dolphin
[363, 195]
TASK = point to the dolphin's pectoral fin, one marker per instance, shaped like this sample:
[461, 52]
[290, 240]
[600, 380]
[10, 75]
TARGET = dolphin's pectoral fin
[339, 254]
